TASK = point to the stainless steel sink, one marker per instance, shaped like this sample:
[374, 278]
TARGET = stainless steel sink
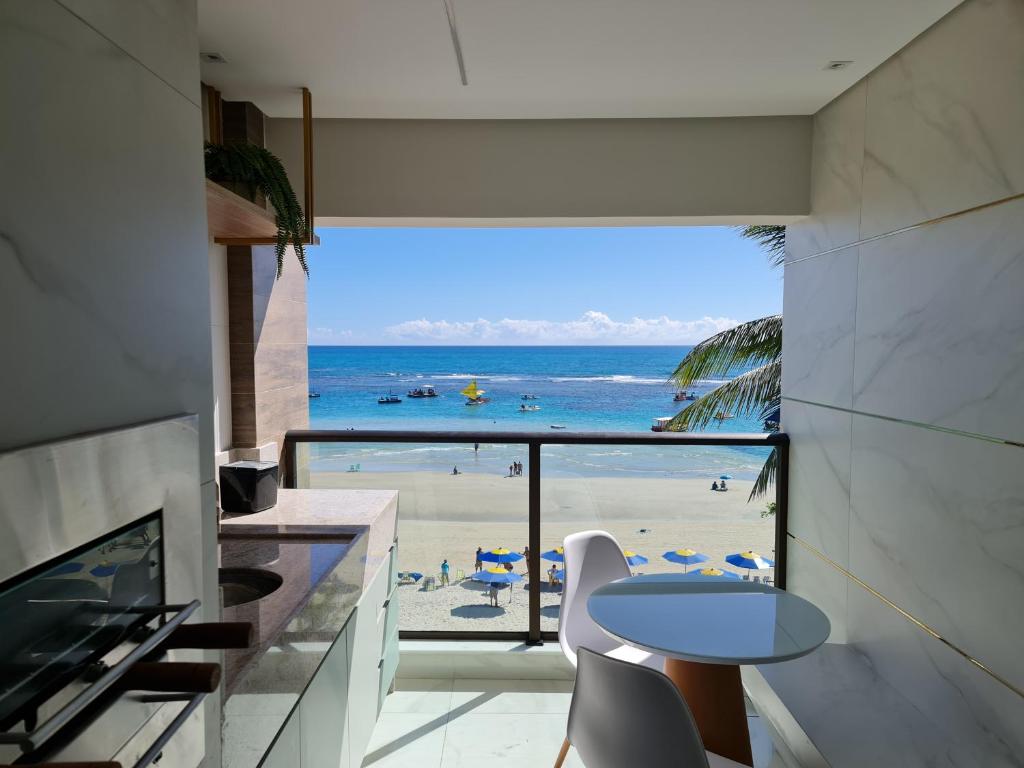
[244, 585]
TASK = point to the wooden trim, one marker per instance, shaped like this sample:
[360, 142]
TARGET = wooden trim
[256, 240]
[215, 114]
[307, 160]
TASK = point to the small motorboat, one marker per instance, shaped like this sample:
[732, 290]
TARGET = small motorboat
[661, 424]
[427, 391]
[558, 426]
[683, 395]
[313, 394]
[528, 408]
[388, 399]
[528, 396]
[720, 416]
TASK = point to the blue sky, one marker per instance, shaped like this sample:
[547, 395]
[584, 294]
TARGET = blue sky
[615, 285]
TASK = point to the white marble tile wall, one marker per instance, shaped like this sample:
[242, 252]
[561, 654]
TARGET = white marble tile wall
[819, 478]
[902, 378]
[836, 172]
[161, 34]
[944, 119]
[937, 526]
[820, 309]
[812, 578]
[940, 323]
[978, 721]
[103, 244]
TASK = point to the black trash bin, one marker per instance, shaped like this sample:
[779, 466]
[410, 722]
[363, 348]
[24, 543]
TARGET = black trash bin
[248, 486]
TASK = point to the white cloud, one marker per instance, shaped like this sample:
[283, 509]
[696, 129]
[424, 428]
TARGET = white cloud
[328, 336]
[590, 328]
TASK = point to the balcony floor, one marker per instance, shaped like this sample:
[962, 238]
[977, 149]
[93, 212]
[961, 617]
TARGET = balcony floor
[467, 723]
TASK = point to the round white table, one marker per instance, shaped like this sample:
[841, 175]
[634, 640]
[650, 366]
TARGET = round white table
[706, 627]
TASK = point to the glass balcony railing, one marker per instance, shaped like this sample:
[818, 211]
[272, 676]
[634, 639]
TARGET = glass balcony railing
[524, 492]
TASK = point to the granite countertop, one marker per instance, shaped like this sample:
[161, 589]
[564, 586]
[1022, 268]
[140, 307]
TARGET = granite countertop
[326, 545]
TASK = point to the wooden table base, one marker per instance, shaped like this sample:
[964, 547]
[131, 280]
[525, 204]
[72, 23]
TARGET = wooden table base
[715, 696]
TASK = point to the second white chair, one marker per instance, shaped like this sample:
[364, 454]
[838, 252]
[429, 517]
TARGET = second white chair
[592, 559]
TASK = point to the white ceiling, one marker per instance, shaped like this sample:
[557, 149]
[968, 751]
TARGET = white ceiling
[552, 58]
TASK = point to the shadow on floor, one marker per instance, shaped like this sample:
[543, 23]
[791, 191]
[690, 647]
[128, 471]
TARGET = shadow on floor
[438, 722]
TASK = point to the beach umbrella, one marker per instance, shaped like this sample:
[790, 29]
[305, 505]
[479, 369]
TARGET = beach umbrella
[685, 556]
[496, 576]
[414, 575]
[725, 477]
[711, 573]
[634, 559]
[556, 555]
[748, 560]
[500, 555]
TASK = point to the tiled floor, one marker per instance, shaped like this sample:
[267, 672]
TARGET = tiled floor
[494, 723]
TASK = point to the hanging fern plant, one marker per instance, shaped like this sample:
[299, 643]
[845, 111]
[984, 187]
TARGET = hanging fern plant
[262, 172]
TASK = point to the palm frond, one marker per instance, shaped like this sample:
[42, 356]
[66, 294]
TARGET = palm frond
[766, 477]
[748, 344]
[753, 390]
[771, 237]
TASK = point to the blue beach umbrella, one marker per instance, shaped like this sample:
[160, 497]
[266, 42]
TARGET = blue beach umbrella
[556, 555]
[748, 560]
[66, 568]
[685, 556]
[634, 559]
[414, 575]
[496, 576]
[500, 555]
[711, 573]
[725, 477]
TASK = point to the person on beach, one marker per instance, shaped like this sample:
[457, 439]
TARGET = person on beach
[493, 592]
[714, 486]
[476, 447]
[552, 576]
[510, 470]
[444, 572]
[479, 564]
[722, 487]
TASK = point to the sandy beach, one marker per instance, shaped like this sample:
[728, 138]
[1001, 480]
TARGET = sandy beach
[444, 516]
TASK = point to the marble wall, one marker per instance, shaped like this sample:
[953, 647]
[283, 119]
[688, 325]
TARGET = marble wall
[902, 382]
[268, 355]
[104, 275]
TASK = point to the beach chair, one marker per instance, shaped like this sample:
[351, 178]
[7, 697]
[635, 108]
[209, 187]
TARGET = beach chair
[460, 575]
[429, 584]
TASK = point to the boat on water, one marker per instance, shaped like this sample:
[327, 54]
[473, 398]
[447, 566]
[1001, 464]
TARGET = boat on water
[424, 391]
[661, 424]
[313, 394]
[528, 396]
[722, 416]
[682, 395]
[388, 399]
[474, 395]
[524, 408]
[558, 426]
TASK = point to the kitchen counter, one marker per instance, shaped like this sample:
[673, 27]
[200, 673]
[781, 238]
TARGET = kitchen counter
[326, 545]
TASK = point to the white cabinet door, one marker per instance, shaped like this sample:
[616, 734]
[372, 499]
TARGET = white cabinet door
[324, 710]
[367, 643]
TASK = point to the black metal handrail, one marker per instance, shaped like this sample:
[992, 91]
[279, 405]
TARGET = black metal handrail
[779, 441]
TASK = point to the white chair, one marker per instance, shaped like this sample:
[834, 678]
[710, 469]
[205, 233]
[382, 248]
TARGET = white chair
[623, 715]
[592, 559]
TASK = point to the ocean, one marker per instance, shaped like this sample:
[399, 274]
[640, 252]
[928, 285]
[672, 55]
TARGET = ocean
[606, 389]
